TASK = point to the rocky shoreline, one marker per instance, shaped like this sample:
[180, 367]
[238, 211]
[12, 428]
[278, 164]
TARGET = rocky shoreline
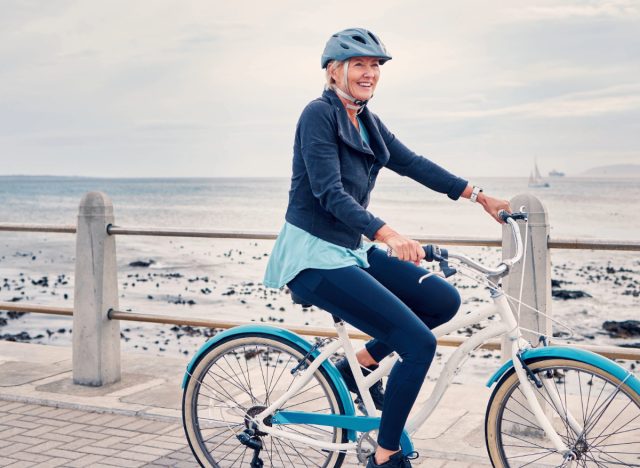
[194, 280]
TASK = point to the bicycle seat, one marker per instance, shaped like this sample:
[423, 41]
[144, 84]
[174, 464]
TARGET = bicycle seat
[298, 300]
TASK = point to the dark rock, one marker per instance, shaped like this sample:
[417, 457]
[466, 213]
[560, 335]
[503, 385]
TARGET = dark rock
[622, 329]
[44, 282]
[557, 283]
[630, 345]
[22, 336]
[142, 263]
[566, 294]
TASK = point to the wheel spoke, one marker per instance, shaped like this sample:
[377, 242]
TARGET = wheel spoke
[606, 407]
[225, 394]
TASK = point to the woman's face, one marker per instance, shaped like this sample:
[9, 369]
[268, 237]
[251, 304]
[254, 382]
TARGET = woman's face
[362, 76]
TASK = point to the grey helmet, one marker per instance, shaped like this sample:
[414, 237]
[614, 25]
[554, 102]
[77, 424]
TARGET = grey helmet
[354, 42]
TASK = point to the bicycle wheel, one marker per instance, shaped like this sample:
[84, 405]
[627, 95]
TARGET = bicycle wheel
[608, 412]
[237, 379]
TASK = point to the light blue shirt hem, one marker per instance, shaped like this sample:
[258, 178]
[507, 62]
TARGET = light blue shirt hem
[296, 250]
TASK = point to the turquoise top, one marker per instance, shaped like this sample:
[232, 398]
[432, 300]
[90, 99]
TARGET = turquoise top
[296, 250]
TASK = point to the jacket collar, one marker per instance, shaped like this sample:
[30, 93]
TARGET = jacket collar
[350, 135]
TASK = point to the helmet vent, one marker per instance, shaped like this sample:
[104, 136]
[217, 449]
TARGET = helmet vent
[344, 46]
[372, 36]
[359, 39]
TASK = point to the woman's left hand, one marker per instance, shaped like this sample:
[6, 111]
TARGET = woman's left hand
[493, 205]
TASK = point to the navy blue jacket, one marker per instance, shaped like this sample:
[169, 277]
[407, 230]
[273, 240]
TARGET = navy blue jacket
[334, 172]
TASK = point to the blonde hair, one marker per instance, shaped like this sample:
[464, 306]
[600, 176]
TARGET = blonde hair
[331, 66]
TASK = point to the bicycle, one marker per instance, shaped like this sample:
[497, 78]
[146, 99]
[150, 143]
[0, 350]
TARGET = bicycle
[257, 388]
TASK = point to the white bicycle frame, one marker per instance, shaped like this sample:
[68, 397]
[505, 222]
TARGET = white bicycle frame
[507, 325]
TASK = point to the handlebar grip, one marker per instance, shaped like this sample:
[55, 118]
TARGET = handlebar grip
[504, 215]
[434, 253]
[428, 252]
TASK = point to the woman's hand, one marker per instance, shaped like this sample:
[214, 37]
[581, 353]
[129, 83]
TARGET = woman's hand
[404, 248]
[493, 205]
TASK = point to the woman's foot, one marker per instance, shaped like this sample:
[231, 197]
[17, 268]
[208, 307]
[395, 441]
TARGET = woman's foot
[376, 391]
[396, 460]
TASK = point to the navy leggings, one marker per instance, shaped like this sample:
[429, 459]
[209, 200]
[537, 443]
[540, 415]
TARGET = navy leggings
[387, 302]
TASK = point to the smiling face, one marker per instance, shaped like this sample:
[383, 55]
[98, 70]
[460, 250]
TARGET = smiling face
[362, 77]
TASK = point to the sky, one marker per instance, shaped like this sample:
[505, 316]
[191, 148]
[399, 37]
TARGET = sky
[210, 88]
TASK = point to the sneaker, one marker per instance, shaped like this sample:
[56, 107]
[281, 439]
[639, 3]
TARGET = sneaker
[397, 460]
[376, 391]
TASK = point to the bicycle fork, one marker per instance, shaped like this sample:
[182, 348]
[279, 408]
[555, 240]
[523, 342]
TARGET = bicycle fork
[523, 372]
[526, 387]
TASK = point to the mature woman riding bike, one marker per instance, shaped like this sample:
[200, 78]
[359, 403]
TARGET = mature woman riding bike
[340, 147]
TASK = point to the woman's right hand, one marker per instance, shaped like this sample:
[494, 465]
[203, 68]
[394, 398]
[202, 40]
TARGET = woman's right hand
[403, 247]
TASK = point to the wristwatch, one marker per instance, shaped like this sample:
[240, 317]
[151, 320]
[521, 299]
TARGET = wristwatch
[474, 194]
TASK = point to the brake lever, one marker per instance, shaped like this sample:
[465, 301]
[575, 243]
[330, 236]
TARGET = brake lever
[445, 271]
[433, 273]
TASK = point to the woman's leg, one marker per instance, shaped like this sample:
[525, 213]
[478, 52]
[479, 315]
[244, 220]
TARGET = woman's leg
[356, 297]
[434, 301]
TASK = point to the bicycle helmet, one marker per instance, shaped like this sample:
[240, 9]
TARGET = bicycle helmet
[349, 43]
[354, 42]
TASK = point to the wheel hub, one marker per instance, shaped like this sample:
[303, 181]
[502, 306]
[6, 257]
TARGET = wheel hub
[250, 416]
[580, 447]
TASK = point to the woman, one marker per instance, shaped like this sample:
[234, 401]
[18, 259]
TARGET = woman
[340, 146]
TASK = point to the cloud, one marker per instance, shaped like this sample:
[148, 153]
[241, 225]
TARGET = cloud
[221, 84]
[615, 99]
[615, 9]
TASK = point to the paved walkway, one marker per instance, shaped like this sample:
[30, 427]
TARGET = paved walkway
[40, 435]
[46, 420]
[37, 435]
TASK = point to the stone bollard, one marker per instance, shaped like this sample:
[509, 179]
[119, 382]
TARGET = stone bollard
[537, 274]
[96, 339]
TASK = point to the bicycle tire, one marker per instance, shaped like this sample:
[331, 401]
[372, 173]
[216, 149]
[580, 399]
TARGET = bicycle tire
[608, 412]
[242, 375]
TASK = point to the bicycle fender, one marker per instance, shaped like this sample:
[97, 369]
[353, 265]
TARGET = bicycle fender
[574, 354]
[332, 371]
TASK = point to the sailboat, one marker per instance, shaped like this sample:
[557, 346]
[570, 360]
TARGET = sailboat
[535, 179]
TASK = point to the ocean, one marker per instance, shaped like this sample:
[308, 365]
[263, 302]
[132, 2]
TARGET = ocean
[220, 278]
[578, 207]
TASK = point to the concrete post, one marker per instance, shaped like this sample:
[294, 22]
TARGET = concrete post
[96, 339]
[537, 274]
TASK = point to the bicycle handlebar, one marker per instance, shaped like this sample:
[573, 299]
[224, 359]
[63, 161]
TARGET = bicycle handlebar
[435, 253]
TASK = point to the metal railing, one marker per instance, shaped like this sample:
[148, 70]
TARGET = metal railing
[95, 297]
[560, 243]
[612, 352]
